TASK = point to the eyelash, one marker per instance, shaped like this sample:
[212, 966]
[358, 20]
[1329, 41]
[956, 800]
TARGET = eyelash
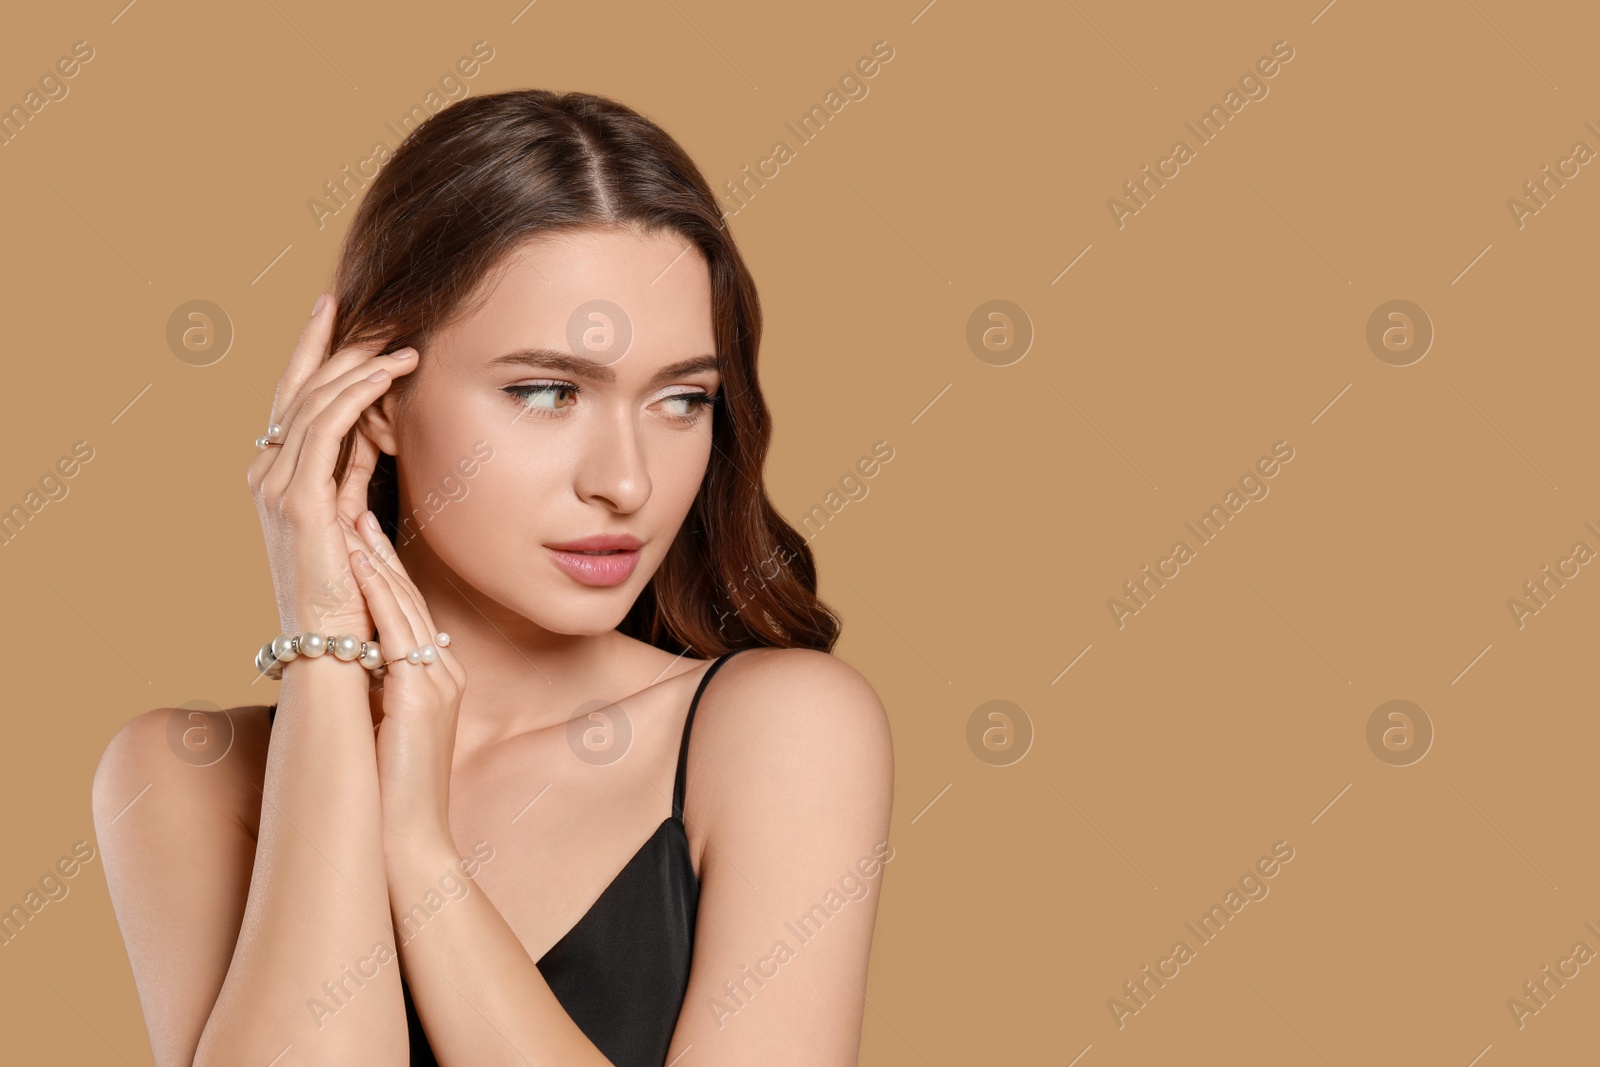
[523, 395]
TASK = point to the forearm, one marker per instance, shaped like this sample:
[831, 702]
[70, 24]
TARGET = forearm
[316, 923]
[479, 994]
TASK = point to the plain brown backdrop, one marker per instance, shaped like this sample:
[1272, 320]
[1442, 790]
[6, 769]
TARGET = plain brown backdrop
[1229, 313]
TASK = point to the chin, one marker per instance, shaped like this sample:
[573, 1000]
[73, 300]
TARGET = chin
[584, 611]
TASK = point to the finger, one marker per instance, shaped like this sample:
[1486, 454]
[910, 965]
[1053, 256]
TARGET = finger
[308, 355]
[383, 553]
[255, 473]
[311, 437]
[397, 633]
[260, 474]
[333, 378]
[378, 543]
[328, 371]
[305, 359]
[352, 541]
[352, 498]
[329, 413]
[311, 365]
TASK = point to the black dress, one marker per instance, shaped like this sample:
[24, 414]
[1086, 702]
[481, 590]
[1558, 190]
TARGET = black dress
[622, 970]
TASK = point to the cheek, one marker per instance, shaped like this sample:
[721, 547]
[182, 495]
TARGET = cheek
[678, 475]
[513, 490]
[486, 534]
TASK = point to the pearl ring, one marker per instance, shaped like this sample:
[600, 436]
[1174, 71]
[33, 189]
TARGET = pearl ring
[426, 654]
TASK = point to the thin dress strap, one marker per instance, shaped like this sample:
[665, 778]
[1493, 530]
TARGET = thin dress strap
[680, 784]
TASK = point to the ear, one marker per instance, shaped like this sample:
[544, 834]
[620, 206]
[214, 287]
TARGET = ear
[379, 421]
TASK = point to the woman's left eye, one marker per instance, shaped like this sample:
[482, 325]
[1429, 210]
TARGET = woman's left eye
[696, 403]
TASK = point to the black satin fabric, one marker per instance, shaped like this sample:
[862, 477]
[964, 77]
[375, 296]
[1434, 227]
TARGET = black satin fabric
[622, 970]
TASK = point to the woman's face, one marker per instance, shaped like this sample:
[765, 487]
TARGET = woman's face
[567, 406]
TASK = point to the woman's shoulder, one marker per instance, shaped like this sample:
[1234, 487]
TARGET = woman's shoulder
[207, 753]
[791, 753]
[796, 681]
[794, 708]
[196, 734]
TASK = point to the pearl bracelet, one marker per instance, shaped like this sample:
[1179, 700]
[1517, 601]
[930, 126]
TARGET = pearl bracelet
[285, 647]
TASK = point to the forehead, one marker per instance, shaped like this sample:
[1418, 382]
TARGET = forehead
[654, 292]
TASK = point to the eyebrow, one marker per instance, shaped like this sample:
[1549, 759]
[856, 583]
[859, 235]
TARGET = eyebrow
[593, 369]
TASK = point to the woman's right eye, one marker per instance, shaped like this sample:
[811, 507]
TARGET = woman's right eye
[541, 396]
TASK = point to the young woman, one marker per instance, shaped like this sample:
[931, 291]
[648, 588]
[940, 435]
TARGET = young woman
[575, 778]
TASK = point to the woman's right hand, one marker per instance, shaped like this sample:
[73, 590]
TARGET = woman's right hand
[309, 522]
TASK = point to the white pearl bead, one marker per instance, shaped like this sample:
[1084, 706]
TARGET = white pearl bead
[372, 658]
[274, 430]
[261, 442]
[312, 644]
[443, 640]
[347, 647]
[283, 648]
[414, 656]
[429, 653]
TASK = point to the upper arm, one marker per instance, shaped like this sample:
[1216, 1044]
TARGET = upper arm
[791, 783]
[177, 854]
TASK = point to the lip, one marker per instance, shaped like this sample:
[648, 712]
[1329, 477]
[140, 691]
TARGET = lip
[598, 543]
[598, 570]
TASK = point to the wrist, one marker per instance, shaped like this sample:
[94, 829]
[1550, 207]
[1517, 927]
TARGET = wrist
[324, 622]
[324, 672]
[418, 859]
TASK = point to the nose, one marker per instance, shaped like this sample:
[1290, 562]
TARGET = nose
[612, 470]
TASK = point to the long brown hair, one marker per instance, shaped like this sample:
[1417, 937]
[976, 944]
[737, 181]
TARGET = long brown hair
[489, 172]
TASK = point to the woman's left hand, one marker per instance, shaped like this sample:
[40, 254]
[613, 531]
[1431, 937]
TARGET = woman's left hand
[417, 735]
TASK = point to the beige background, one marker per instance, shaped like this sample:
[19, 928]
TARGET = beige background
[1230, 313]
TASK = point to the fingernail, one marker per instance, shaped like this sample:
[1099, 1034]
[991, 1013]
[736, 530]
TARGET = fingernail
[377, 376]
[370, 521]
[362, 556]
[405, 353]
[321, 299]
